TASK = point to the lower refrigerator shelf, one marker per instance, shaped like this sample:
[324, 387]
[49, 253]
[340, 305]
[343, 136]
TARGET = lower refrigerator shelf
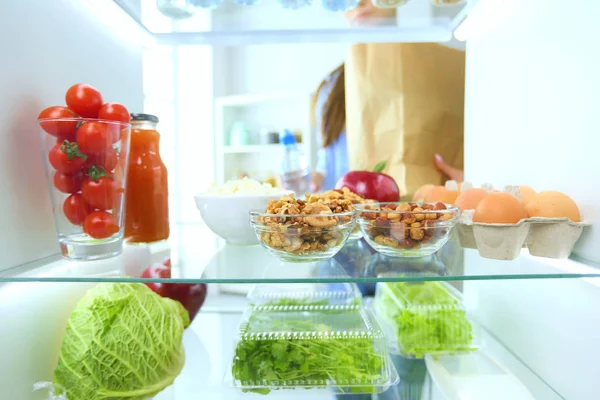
[31, 347]
[209, 347]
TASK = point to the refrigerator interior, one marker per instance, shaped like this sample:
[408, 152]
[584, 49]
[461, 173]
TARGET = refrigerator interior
[530, 118]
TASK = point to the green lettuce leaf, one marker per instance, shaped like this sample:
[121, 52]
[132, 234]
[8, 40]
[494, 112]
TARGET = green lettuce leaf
[123, 341]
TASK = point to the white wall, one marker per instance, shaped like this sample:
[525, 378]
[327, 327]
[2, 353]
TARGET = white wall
[531, 118]
[46, 47]
[532, 103]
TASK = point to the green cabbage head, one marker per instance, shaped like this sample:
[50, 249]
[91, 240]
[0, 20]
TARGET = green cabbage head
[123, 341]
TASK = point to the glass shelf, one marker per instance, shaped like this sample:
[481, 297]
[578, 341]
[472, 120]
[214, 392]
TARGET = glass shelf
[268, 22]
[199, 256]
[209, 352]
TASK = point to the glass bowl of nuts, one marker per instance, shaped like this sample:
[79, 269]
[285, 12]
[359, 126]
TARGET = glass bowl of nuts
[303, 231]
[407, 229]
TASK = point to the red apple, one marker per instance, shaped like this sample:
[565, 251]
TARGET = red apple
[373, 185]
[190, 295]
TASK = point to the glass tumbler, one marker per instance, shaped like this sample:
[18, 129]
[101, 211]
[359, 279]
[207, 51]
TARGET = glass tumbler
[86, 164]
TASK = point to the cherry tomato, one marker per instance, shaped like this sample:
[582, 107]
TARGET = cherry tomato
[100, 193]
[69, 183]
[94, 137]
[66, 157]
[76, 209]
[107, 160]
[61, 129]
[100, 225]
[84, 99]
[114, 112]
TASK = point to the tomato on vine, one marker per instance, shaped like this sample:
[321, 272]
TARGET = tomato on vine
[94, 137]
[76, 209]
[100, 225]
[69, 183]
[100, 189]
[114, 112]
[66, 157]
[84, 99]
[60, 129]
[107, 159]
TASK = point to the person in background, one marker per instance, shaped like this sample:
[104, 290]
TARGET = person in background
[329, 111]
[329, 116]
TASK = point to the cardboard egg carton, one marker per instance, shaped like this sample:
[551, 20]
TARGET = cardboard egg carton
[544, 237]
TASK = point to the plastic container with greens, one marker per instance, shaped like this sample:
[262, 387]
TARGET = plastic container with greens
[424, 318]
[340, 348]
[305, 294]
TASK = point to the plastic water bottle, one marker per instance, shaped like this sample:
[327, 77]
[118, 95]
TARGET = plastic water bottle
[294, 169]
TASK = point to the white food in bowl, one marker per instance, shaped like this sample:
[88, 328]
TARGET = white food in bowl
[226, 208]
[243, 186]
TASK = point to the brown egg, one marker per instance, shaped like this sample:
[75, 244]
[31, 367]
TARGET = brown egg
[470, 198]
[500, 208]
[527, 193]
[422, 192]
[441, 194]
[552, 204]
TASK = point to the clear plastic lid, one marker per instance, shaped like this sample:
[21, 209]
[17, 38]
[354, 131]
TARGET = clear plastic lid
[307, 294]
[424, 318]
[340, 348]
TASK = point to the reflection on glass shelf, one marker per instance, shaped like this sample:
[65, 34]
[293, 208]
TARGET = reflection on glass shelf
[271, 22]
[199, 256]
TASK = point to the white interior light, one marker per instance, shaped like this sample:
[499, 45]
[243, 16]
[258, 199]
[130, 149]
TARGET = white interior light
[484, 15]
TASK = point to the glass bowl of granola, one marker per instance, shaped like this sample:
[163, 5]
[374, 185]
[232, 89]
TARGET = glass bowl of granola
[304, 230]
[345, 194]
[407, 229]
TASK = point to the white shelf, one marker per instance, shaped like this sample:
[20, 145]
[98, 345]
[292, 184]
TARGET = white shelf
[435, 33]
[240, 100]
[255, 148]
[231, 24]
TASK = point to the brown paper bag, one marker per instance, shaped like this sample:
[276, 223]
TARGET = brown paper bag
[404, 104]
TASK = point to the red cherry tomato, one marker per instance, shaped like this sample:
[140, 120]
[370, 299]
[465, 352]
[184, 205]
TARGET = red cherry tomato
[84, 99]
[76, 209]
[66, 157]
[100, 193]
[107, 160]
[100, 225]
[114, 112]
[157, 271]
[94, 137]
[62, 129]
[69, 183]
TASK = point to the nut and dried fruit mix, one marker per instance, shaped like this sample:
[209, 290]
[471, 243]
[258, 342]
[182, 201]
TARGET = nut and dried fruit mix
[315, 230]
[341, 194]
[406, 225]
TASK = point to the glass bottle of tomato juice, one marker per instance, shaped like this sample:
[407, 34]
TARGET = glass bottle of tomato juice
[147, 204]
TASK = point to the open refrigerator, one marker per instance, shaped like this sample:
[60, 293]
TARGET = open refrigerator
[531, 115]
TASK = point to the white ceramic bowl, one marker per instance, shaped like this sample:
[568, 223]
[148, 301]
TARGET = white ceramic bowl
[228, 216]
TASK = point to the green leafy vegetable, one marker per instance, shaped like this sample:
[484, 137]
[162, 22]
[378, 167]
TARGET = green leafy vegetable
[427, 318]
[123, 341]
[287, 301]
[307, 349]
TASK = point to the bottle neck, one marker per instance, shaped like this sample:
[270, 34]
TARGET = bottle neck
[146, 125]
[144, 137]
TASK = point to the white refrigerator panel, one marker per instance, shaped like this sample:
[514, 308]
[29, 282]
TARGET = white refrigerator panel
[532, 101]
[47, 46]
[532, 118]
